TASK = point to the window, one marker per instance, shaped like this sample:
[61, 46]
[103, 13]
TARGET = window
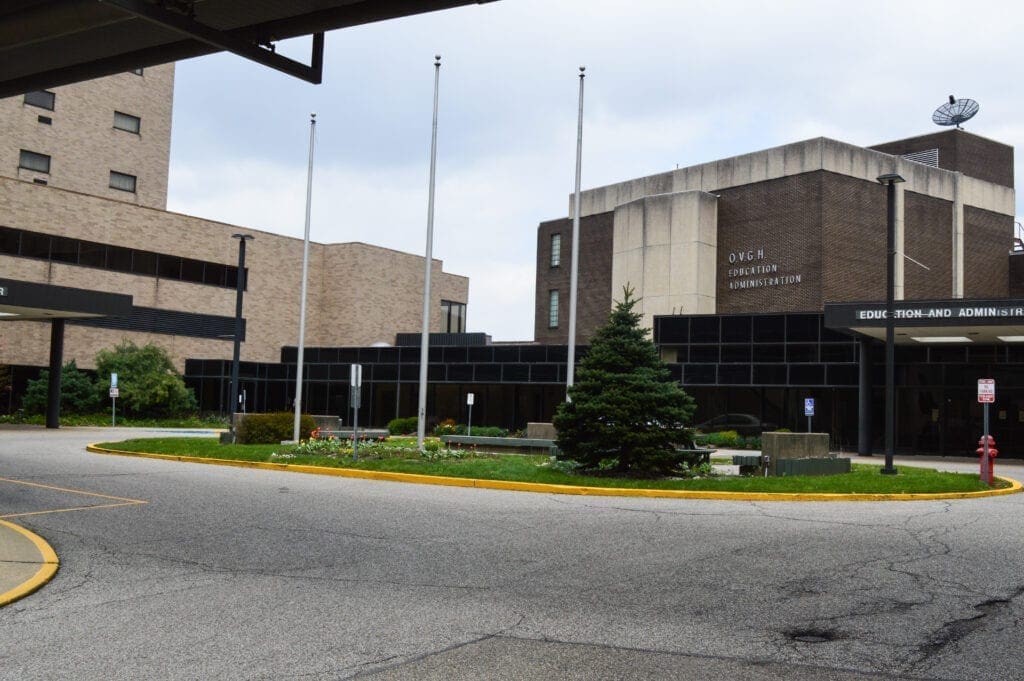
[553, 309]
[138, 71]
[123, 121]
[45, 120]
[453, 317]
[44, 99]
[30, 160]
[122, 181]
[556, 250]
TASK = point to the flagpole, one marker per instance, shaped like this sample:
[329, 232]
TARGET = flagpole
[305, 273]
[421, 421]
[574, 270]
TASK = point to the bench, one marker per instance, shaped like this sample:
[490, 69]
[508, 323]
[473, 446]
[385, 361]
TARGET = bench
[515, 445]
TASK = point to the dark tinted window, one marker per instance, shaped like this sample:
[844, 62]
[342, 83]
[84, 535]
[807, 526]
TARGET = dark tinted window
[144, 262]
[806, 352]
[214, 274]
[770, 374]
[735, 353]
[703, 353]
[704, 330]
[698, 374]
[734, 373]
[169, 266]
[41, 98]
[735, 329]
[191, 270]
[802, 328]
[35, 245]
[10, 239]
[769, 328]
[807, 374]
[63, 249]
[769, 353]
[92, 255]
[119, 259]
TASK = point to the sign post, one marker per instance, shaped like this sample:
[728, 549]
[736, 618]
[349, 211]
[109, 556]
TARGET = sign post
[469, 401]
[113, 399]
[986, 396]
[809, 411]
[355, 378]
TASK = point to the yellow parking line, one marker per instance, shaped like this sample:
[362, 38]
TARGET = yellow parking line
[119, 501]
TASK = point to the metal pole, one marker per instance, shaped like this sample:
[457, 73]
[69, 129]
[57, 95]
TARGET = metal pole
[56, 366]
[237, 339]
[986, 470]
[864, 398]
[575, 264]
[890, 333]
[305, 273]
[421, 421]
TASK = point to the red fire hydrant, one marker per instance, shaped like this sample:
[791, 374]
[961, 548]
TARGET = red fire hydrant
[987, 445]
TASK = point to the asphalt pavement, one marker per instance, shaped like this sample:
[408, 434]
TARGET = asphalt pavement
[178, 571]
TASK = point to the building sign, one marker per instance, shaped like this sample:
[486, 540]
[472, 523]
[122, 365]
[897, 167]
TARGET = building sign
[3, 290]
[926, 313]
[750, 269]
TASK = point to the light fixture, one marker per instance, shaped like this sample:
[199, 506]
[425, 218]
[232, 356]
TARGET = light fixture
[1011, 339]
[941, 339]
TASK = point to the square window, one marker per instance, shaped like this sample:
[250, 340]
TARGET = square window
[45, 120]
[44, 99]
[556, 250]
[122, 181]
[30, 160]
[127, 122]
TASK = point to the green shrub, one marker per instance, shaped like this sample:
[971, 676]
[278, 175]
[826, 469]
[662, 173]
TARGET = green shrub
[489, 431]
[77, 392]
[449, 427]
[267, 429]
[148, 382]
[403, 426]
[726, 438]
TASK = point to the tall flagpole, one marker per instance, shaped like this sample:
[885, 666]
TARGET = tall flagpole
[421, 422]
[574, 270]
[305, 273]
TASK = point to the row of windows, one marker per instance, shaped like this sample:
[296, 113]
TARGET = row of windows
[40, 163]
[449, 354]
[763, 328]
[44, 99]
[27, 244]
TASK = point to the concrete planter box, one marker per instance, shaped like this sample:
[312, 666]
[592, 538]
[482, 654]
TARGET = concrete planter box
[801, 454]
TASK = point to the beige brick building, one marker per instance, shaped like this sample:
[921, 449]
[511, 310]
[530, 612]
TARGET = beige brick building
[66, 220]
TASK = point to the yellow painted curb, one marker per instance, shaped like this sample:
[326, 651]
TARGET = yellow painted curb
[564, 489]
[44, 574]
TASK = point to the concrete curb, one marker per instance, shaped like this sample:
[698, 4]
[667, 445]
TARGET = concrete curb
[1014, 488]
[47, 560]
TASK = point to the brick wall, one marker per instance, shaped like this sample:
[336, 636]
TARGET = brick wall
[82, 142]
[927, 238]
[988, 238]
[781, 218]
[971, 154]
[595, 278]
[853, 243]
[382, 287]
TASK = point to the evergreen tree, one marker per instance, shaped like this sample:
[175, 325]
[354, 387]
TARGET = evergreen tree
[77, 392]
[148, 383]
[627, 415]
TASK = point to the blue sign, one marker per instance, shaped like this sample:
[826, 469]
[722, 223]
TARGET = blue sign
[808, 406]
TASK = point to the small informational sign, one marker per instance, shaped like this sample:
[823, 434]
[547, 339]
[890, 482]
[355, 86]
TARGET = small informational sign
[113, 392]
[113, 380]
[808, 406]
[469, 399]
[986, 390]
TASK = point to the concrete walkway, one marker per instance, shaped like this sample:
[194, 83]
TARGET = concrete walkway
[26, 562]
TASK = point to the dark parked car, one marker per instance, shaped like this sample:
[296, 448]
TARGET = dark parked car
[743, 424]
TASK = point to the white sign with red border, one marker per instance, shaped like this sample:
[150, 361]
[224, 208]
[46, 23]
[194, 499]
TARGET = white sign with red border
[986, 390]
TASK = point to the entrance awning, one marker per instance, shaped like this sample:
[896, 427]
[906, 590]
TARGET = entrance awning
[21, 300]
[932, 322]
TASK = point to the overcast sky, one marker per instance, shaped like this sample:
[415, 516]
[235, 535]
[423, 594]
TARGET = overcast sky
[668, 83]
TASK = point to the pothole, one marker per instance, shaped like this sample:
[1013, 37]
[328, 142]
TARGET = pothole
[813, 636]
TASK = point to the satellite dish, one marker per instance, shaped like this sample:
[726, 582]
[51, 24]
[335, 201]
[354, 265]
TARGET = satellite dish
[955, 111]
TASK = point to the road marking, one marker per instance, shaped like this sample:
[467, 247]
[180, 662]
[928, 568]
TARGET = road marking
[119, 501]
[47, 567]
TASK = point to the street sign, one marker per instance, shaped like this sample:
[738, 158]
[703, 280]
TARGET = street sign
[113, 380]
[986, 390]
[469, 399]
[808, 406]
[113, 392]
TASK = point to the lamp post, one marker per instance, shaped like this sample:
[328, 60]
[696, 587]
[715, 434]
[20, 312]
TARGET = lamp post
[890, 180]
[239, 289]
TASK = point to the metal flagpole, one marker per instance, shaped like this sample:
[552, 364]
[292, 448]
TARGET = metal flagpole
[421, 422]
[574, 269]
[305, 273]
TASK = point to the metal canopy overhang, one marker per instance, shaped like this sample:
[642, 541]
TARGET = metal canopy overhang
[20, 300]
[45, 43]
[931, 322]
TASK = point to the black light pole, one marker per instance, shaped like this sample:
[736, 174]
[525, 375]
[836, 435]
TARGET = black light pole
[890, 180]
[240, 288]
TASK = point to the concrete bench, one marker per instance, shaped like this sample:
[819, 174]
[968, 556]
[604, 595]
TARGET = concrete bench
[364, 433]
[518, 445]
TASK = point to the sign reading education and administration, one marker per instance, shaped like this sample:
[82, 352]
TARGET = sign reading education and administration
[986, 390]
[926, 313]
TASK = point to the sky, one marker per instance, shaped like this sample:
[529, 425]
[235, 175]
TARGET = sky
[668, 84]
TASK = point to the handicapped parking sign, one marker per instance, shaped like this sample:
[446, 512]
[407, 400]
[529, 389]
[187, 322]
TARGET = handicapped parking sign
[808, 406]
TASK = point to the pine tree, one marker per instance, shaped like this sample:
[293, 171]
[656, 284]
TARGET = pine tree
[627, 415]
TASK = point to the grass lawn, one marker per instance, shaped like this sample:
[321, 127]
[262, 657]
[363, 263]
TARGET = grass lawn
[532, 468]
[102, 419]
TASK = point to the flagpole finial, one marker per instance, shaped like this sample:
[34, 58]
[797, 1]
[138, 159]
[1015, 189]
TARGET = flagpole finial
[312, 116]
[437, 60]
[582, 69]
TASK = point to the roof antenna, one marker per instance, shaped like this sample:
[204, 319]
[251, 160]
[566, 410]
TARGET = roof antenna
[955, 112]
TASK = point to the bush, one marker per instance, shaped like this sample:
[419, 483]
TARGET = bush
[77, 392]
[403, 426]
[149, 384]
[489, 431]
[449, 427]
[726, 438]
[270, 429]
